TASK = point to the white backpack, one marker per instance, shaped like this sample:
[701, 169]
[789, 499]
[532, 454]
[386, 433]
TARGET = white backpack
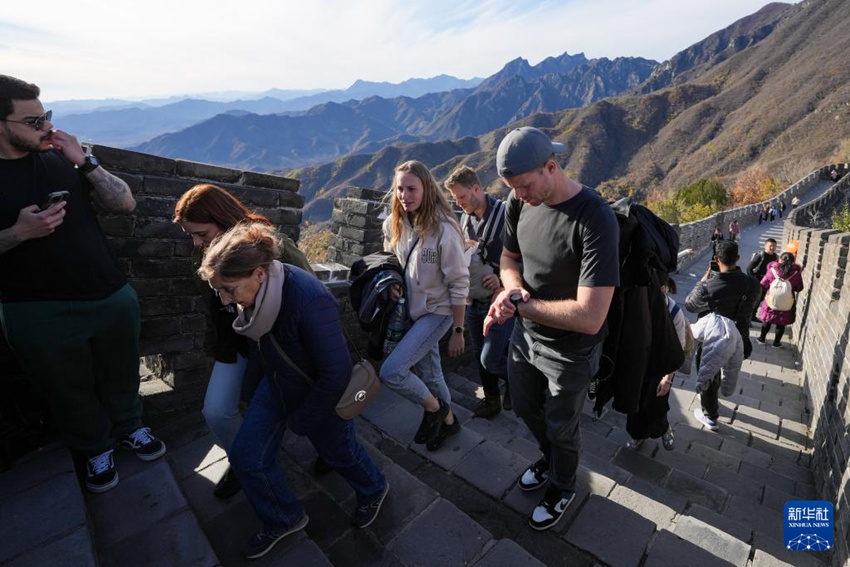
[780, 296]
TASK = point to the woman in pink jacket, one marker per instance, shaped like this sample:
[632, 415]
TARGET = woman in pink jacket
[787, 270]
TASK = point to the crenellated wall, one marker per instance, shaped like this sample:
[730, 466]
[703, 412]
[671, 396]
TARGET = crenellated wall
[821, 336]
[157, 255]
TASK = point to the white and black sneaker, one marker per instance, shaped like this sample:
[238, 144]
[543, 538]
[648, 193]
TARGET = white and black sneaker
[144, 444]
[100, 472]
[535, 475]
[710, 424]
[551, 508]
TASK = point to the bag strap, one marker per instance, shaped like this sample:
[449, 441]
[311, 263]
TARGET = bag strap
[288, 360]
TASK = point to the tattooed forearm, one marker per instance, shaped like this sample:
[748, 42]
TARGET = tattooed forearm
[111, 192]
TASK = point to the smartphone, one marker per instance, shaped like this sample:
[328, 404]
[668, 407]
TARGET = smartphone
[714, 267]
[53, 199]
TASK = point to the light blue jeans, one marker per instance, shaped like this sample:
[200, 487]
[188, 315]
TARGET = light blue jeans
[419, 350]
[221, 402]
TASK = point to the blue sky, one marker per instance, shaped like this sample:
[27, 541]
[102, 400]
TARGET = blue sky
[120, 49]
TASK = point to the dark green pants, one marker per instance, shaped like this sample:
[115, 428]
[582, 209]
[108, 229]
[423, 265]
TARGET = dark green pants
[84, 356]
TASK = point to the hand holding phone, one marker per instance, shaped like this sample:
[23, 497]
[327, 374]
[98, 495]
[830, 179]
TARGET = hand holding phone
[54, 199]
[714, 266]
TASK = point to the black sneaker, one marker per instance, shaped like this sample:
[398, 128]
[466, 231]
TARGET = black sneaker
[431, 424]
[535, 475]
[488, 407]
[262, 542]
[551, 509]
[228, 485]
[446, 431]
[144, 444]
[100, 472]
[368, 511]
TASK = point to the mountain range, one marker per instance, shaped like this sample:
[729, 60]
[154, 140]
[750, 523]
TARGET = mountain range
[125, 123]
[329, 131]
[770, 89]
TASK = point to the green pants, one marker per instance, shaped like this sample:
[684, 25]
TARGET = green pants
[84, 356]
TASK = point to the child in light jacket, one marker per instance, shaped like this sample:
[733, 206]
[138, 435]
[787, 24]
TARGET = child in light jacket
[722, 351]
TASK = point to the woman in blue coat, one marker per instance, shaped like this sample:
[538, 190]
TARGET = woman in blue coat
[283, 307]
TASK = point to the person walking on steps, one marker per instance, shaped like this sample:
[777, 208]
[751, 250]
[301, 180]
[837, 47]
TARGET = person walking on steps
[783, 270]
[482, 223]
[559, 268]
[293, 325]
[757, 268]
[421, 226]
[204, 212]
[731, 293]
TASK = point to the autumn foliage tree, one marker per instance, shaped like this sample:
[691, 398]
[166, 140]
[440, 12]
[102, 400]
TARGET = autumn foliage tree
[754, 185]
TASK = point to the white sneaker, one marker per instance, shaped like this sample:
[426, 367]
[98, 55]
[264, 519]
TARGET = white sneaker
[634, 443]
[705, 420]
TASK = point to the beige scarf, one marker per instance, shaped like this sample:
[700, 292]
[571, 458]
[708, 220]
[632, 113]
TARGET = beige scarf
[256, 321]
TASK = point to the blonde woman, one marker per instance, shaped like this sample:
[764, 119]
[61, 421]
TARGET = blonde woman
[422, 226]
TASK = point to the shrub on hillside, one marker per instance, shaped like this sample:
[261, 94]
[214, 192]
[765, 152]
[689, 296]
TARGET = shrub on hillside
[754, 185]
[791, 171]
[841, 219]
[315, 242]
[616, 189]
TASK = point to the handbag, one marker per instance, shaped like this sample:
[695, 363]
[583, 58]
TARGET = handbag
[363, 385]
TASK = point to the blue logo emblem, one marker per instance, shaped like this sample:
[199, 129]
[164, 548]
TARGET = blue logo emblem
[809, 525]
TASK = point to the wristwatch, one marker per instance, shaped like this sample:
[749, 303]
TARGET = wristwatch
[89, 165]
[516, 299]
[458, 330]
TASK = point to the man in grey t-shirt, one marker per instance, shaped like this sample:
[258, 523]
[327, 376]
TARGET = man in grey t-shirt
[559, 268]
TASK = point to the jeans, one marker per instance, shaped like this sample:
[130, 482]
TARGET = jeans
[419, 350]
[491, 352]
[254, 458]
[548, 389]
[221, 402]
[84, 355]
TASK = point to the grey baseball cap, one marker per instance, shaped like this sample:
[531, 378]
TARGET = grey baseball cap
[525, 149]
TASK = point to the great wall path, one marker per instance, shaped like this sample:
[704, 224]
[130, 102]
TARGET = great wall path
[717, 499]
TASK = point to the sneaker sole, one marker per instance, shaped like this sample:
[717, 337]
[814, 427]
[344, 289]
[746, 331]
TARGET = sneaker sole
[529, 487]
[101, 488]
[296, 528]
[378, 511]
[144, 457]
[541, 528]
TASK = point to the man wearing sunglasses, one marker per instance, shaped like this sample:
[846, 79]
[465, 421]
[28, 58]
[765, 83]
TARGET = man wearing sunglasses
[66, 308]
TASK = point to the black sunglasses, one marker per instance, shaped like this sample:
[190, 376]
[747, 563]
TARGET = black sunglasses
[36, 123]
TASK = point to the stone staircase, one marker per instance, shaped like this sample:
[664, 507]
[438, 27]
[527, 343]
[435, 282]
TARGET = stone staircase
[717, 499]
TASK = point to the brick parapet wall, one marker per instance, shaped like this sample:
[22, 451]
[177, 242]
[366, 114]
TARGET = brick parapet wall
[158, 257]
[821, 336]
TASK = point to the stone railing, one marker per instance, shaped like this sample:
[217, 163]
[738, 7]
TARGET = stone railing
[157, 255]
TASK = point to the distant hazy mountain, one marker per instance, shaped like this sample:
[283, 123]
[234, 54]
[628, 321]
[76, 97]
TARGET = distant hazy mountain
[125, 123]
[331, 130]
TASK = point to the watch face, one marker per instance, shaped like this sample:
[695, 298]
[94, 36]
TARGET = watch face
[458, 330]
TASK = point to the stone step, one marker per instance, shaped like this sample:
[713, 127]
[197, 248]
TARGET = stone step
[735, 482]
[44, 512]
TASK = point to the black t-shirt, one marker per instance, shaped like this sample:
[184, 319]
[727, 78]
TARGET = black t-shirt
[572, 244]
[73, 263]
